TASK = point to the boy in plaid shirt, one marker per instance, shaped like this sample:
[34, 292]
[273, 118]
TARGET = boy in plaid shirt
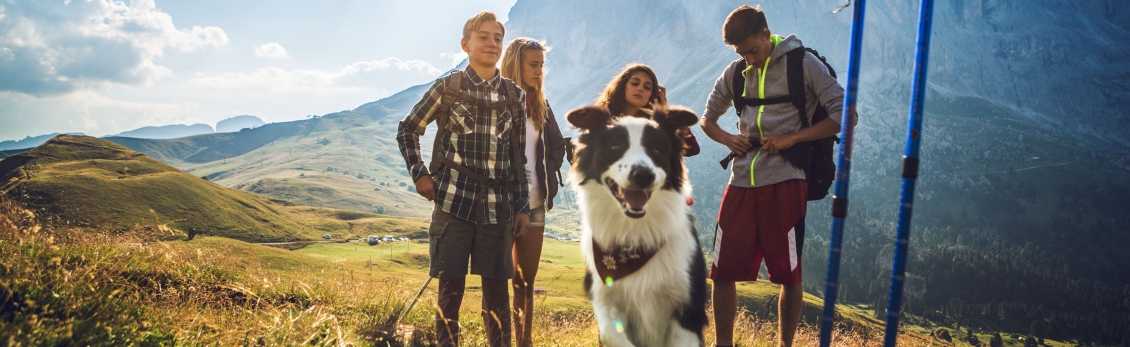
[477, 179]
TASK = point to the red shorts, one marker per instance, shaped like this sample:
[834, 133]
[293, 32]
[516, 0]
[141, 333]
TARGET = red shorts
[764, 222]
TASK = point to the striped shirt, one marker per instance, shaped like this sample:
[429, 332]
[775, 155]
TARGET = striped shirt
[479, 140]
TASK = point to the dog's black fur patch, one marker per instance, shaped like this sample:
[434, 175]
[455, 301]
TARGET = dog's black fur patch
[602, 143]
[588, 284]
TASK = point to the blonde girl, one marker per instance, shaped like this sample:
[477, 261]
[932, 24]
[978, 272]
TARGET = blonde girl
[524, 63]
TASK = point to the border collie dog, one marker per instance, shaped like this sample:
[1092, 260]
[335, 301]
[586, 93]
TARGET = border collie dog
[645, 274]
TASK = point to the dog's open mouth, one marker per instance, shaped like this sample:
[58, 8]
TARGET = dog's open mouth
[632, 201]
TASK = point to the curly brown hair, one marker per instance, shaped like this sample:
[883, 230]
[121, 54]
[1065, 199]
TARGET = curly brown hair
[613, 96]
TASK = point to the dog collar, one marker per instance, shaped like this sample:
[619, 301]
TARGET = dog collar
[618, 262]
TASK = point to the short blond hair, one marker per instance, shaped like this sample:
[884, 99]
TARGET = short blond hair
[478, 20]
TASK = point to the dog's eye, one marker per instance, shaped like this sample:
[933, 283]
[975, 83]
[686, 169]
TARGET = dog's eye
[614, 147]
[656, 151]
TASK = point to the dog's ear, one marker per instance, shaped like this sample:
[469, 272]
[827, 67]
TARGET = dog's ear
[674, 117]
[589, 117]
[680, 116]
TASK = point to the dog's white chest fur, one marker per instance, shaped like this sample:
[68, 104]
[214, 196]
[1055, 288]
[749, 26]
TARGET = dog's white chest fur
[641, 306]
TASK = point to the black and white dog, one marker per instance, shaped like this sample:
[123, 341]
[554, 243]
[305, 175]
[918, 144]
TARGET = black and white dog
[638, 241]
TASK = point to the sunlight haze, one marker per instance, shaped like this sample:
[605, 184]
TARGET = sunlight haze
[152, 63]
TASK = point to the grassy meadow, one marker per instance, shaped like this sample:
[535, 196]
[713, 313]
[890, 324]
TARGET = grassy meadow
[84, 286]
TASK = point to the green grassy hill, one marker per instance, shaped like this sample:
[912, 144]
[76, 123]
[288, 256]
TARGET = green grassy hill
[344, 160]
[85, 181]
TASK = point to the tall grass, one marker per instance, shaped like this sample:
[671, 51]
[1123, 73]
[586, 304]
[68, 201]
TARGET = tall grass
[62, 286]
[90, 287]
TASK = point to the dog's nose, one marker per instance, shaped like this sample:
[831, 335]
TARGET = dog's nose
[641, 176]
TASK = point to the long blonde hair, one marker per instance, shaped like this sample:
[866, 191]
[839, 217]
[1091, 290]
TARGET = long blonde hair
[512, 70]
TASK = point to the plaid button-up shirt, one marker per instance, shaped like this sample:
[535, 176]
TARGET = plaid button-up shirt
[479, 139]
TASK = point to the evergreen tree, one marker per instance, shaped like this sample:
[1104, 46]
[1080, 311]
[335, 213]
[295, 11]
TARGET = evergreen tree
[996, 341]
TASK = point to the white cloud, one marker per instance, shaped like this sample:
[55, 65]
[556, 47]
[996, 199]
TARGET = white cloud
[272, 94]
[85, 111]
[271, 50]
[356, 76]
[456, 57]
[53, 47]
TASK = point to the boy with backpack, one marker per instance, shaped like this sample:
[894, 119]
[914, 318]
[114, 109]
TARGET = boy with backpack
[476, 179]
[789, 108]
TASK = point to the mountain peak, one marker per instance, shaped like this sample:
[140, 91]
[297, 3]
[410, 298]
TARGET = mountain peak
[168, 131]
[238, 123]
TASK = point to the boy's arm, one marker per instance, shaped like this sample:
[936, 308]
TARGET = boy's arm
[717, 104]
[518, 163]
[413, 125]
[826, 89]
[522, 204]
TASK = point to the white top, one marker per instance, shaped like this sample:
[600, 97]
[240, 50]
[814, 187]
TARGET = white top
[532, 136]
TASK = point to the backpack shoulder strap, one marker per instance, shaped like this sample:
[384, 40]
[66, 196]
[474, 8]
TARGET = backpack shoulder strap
[517, 151]
[795, 60]
[738, 87]
[450, 95]
[512, 97]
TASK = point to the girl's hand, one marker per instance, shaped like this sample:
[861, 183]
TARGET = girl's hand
[662, 96]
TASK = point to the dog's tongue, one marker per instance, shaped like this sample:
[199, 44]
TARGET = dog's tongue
[635, 198]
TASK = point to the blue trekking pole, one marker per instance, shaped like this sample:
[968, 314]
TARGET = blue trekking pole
[909, 171]
[843, 172]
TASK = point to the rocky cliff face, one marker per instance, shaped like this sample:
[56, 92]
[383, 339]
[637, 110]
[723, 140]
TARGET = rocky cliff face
[1060, 65]
[1023, 98]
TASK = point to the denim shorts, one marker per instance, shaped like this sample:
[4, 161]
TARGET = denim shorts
[537, 217]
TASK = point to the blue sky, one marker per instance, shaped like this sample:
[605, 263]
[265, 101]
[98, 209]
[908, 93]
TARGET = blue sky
[103, 67]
